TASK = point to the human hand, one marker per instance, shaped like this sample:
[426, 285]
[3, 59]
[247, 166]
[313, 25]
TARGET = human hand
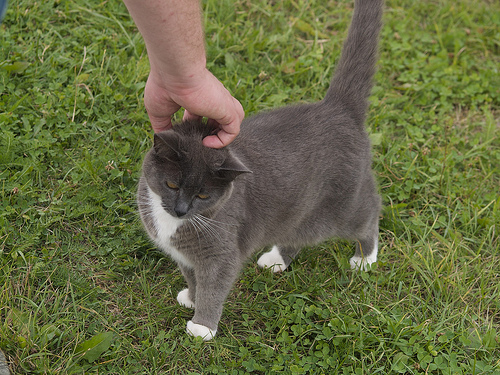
[201, 95]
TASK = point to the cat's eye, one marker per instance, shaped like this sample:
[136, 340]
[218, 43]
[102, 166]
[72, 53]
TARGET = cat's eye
[171, 185]
[203, 196]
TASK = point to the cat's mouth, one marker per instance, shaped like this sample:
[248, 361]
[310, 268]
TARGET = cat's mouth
[179, 212]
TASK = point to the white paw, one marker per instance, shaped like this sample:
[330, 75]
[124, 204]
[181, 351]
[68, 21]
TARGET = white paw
[198, 330]
[364, 263]
[184, 300]
[359, 263]
[273, 260]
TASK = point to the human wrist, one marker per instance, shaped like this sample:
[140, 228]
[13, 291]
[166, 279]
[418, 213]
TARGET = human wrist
[179, 80]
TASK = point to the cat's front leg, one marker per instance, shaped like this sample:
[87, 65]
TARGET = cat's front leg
[214, 280]
[186, 297]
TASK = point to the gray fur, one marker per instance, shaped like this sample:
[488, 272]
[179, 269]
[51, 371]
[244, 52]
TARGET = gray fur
[294, 176]
[4, 368]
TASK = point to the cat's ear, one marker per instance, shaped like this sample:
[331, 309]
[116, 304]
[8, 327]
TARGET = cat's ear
[232, 168]
[166, 145]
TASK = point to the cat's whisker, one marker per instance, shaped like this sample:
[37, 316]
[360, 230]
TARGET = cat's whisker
[197, 230]
[209, 228]
[213, 230]
[206, 231]
[200, 228]
[215, 223]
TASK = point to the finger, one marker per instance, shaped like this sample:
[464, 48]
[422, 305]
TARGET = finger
[228, 124]
[231, 114]
[215, 102]
[160, 124]
[228, 132]
[221, 139]
[190, 116]
[213, 141]
[159, 105]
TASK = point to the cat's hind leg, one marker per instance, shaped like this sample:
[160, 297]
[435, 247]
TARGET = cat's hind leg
[279, 258]
[366, 253]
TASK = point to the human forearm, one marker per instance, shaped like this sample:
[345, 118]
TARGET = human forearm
[173, 33]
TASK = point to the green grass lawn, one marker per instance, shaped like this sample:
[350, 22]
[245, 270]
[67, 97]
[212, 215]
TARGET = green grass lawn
[82, 290]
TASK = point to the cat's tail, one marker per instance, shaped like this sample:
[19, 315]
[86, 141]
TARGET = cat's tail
[352, 81]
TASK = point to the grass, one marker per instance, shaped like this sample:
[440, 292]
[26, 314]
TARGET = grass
[82, 290]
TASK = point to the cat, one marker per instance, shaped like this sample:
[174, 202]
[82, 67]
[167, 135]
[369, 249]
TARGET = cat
[294, 176]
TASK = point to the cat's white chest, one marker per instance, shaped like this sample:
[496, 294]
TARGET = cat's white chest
[166, 225]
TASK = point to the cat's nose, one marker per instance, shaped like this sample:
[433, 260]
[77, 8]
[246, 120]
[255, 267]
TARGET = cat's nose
[180, 213]
[181, 210]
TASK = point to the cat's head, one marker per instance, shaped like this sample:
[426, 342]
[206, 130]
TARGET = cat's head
[189, 177]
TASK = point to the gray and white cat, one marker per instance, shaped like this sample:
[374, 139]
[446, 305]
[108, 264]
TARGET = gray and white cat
[294, 176]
